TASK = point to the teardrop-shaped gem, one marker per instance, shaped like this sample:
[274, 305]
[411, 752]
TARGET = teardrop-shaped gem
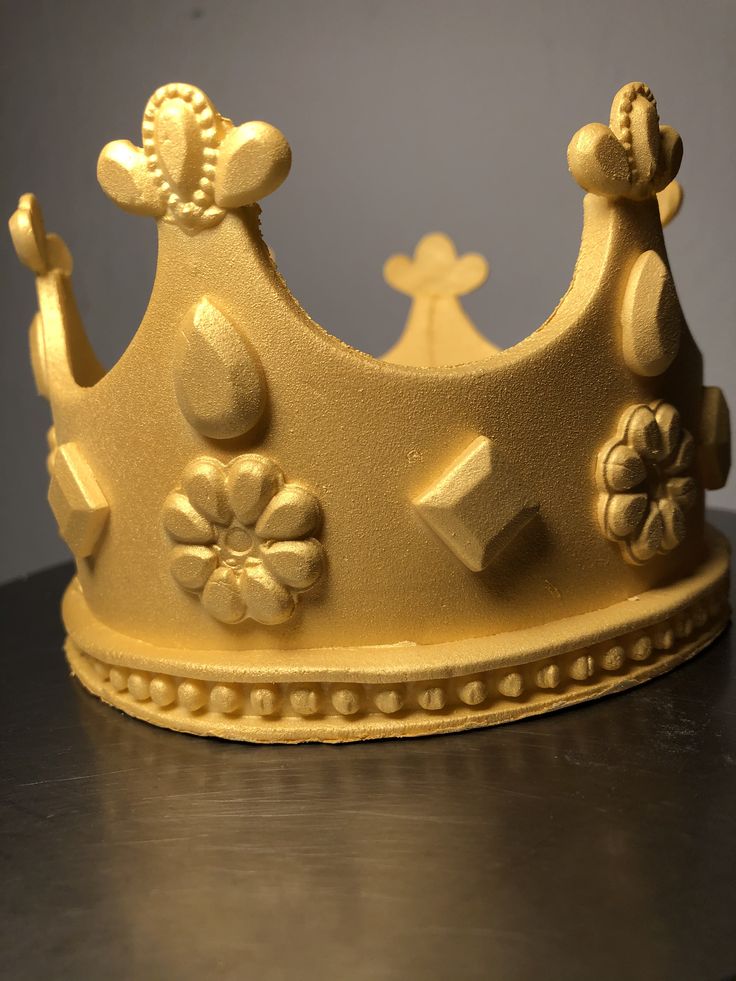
[635, 122]
[216, 375]
[179, 143]
[651, 318]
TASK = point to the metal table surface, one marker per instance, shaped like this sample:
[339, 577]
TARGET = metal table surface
[599, 842]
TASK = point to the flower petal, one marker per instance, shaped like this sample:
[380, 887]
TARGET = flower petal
[204, 483]
[266, 600]
[673, 519]
[184, 523]
[221, 596]
[192, 565]
[642, 432]
[252, 481]
[292, 513]
[649, 539]
[625, 513]
[683, 458]
[670, 428]
[623, 468]
[297, 564]
[683, 490]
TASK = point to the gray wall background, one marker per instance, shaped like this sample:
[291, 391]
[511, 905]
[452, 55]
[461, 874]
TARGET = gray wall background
[404, 117]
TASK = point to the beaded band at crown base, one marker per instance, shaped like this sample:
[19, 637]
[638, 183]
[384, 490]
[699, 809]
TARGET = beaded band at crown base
[342, 709]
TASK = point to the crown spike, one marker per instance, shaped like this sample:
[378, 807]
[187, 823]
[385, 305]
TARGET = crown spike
[61, 354]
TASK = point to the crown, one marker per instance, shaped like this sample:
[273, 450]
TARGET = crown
[279, 538]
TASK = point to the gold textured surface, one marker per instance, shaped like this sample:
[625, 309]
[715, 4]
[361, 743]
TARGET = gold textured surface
[281, 538]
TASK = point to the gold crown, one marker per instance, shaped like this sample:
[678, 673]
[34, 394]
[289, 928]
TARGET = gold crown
[279, 538]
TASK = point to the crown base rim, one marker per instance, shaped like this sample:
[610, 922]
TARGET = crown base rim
[692, 613]
[338, 729]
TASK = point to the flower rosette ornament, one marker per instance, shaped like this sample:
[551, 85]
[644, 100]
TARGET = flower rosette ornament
[242, 538]
[644, 482]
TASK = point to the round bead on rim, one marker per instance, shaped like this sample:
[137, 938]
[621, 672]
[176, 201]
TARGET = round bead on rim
[226, 699]
[305, 700]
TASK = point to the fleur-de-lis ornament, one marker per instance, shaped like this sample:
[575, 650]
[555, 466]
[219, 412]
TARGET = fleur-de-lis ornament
[194, 164]
[633, 157]
[438, 331]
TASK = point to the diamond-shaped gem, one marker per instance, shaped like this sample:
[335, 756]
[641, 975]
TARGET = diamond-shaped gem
[75, 497]
[476, 507]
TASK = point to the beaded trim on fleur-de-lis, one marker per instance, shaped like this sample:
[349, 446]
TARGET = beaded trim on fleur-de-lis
[633, 157]
[194, 164]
